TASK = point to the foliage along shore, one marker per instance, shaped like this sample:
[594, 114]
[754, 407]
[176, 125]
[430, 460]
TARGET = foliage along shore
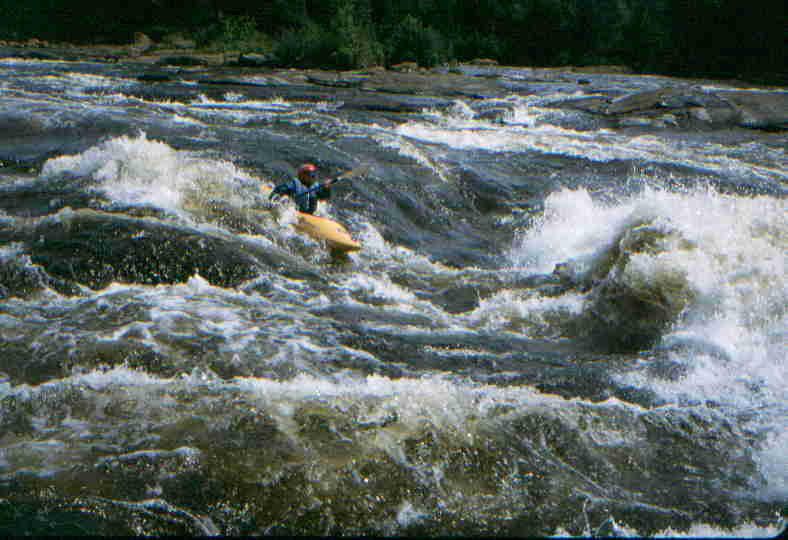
[704, 38]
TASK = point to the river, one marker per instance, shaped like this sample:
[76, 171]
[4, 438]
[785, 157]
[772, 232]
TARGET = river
[561, 322]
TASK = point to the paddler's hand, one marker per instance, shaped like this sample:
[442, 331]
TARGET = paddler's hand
[275, 199]
[331, 181]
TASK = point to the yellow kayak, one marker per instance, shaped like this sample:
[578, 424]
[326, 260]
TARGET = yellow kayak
[325, 230]
[332, 233]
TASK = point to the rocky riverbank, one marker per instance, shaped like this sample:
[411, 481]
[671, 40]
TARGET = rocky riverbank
[604, 96]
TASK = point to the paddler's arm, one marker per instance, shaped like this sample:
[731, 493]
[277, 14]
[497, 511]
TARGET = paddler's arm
[322, 191]
[285, 188]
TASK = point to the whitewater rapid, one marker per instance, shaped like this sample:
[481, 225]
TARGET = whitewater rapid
[178, 359]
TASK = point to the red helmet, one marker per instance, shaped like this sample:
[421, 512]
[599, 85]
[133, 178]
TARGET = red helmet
[307, 173]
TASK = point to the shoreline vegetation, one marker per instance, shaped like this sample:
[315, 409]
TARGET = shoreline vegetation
[713, 39]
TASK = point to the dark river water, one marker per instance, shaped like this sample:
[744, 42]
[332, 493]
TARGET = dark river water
[556, 325]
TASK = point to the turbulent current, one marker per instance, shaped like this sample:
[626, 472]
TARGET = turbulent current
[561, 322]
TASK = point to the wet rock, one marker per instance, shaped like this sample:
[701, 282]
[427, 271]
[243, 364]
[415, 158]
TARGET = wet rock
[594, 105]
[615, 100]
[17, 278]
[659, 122]
[494, 115]
[635, 121]
[254, 60]
[712, 116]
[396, 104]
[181, 60]
[154, 77]
[681, 99]
[365, 314]
[627, 319]
[639, 101]
[44, 55]
[95, 249]
[35, 42]
[405, 67]
[627, 310]
[177, 41]
[142, 44]
[700, 106]
[483, 62]
[604, 68]
[485, 193]
[755, 110]
[759, 110]
[229, 81]
[335, 82]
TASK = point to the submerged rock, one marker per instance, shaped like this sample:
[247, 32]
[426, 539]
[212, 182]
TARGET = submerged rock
[629, 308]
[629, 319]
[95, 249]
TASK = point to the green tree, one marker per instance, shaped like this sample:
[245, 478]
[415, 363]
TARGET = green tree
[649, 36]
[306, 46]
[356, 43]
[411, 41]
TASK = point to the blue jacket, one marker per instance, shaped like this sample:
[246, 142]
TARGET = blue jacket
[305, 200]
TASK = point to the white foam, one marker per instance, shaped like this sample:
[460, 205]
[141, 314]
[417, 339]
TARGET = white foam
[696, 530]
[556, 237]
[528, 314]
[122, 376]
[702, 530]
[187, 309]
[381, 287]
[457, 114]
[236, 108]
[773, 459]
[407, 514]
[534, 110]
[443, 402]
[86, 80]
[719, 240]
[525, 130]
[137, 170]
[730, 254]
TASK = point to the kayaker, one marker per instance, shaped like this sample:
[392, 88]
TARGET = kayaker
[302, 189]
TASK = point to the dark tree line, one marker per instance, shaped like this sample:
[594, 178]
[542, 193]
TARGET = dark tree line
[701, 37]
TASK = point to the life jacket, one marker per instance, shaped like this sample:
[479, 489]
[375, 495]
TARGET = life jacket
[305, 200]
